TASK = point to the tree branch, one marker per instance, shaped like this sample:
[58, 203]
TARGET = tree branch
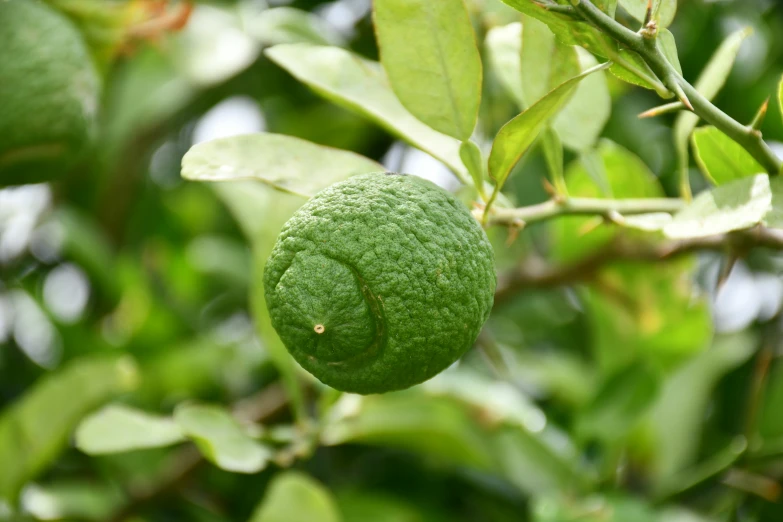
[539, 273]
[555, 207]
[749, 138]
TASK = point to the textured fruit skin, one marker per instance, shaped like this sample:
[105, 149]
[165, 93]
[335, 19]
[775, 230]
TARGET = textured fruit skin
[49, 93]
[397, 273]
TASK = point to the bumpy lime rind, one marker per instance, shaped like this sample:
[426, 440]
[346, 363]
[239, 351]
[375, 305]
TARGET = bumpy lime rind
[49, 93]
[379, 283]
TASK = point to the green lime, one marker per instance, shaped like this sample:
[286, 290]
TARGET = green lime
[380, 282]
[49, 93]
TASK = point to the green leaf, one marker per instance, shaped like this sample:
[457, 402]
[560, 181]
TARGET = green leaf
[710, 82]
[221, 439]
[620, 508]
[516, 136]
[118, 428]
[736, 205]
[580, 122]
[430, 426]
[35, 429]
[546, 62]
[677, 419]
[361, 86]
[283, 162]
[668, 46]
[472, 158]
[620, 402]
[722, 159]
[780, 96]
[287, 25]
[552, 148]
[429, 52]
[367, 506]
[627, 65]
[663, 10]
[610, 172]
[504, 44]
[607, 6]
[72, 500]
[295, 497]
[774, 217]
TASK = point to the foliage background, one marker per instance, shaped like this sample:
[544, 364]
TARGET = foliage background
[123, 283]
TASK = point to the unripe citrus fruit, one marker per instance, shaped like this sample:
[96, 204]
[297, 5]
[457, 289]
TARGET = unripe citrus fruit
[49, 92]
[380, 282]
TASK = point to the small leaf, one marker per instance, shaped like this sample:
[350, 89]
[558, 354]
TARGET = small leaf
[664, 10]
[737, 205]
[504, 44]
[34, 430]
[722, 159]
[284, 162]
[474, 162]
[429, 52]
[118, 428]
[516, 136]
[221, 439]
[295, 497]
[361, 86]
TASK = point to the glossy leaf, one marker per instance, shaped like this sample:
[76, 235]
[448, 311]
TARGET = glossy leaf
[118, 428]
[34, 430]
[283, 162]
[736, 205]
[361, 86]
[663, 10]
[516, 136]
[221, 439]
[722, 159]
[293, 496]
[429, 52]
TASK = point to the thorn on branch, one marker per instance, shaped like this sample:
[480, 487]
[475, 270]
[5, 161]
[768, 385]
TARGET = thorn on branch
[758, 120]
[662, 109]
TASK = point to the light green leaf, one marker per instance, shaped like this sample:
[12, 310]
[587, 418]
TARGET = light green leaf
[722, 159]
[516, 136]
[622, 399]
[283, 162]
[472, 158]
[663, 10]
[582, 120]
[504, 44]
[429, 52]
[737, 205]
[546, 62]
[295, 497]
[774, 217]
[710, 82]
[287, 25]
[361, 86]
[35, 429]
[221, 439]
[552, 148]
[668, 46]
[118, 428]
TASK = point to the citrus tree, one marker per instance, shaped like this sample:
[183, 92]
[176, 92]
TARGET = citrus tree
[228, 294]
